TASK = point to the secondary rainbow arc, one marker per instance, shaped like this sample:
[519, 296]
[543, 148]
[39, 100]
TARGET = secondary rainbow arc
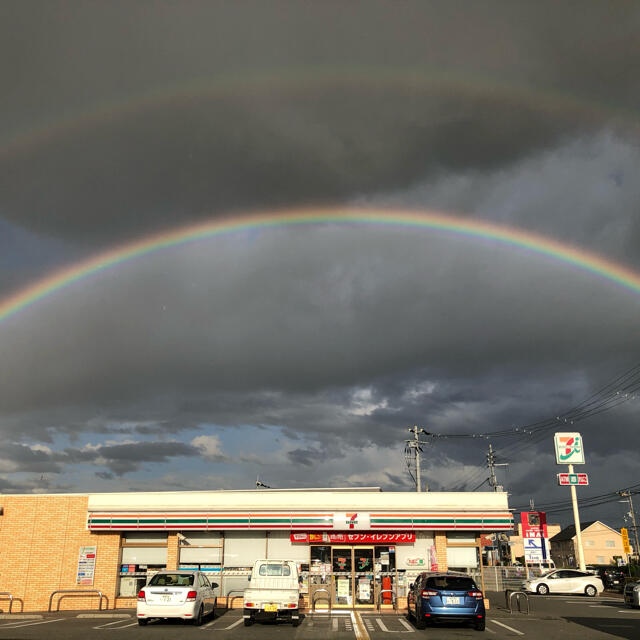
[432, 220]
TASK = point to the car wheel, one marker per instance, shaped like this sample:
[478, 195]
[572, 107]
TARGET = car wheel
[142, 622]
[591, 591]
[542, 590]
[197, 621]
[248, 622]
[480, 625]
[421, 622]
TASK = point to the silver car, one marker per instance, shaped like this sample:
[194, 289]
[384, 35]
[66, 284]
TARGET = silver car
[565, 581]
[632, 594]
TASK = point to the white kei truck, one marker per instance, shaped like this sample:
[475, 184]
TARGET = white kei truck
[273, 593]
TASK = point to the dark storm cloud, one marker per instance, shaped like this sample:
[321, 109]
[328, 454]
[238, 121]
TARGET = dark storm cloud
[275, 132]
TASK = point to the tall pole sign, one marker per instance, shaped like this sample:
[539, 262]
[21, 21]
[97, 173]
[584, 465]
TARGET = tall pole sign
[570, 451]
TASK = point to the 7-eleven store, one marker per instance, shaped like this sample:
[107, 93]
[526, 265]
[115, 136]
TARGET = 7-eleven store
[354, 547]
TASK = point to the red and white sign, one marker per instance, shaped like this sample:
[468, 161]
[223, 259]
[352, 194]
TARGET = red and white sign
[351, 521]
[534, 523]
[575, 479]
[354, 538]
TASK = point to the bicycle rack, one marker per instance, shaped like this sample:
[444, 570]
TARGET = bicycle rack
[394, 599]
[322, 593]
[83, 591]
[518, 594]
[6, 595]
[240, 591]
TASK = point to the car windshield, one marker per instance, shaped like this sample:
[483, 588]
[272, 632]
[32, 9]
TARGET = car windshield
[455, 583]
[172, 580]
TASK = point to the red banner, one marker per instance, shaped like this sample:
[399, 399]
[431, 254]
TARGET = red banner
[354, 538]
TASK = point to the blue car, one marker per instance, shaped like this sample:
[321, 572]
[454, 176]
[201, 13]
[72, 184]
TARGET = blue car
[446, 597]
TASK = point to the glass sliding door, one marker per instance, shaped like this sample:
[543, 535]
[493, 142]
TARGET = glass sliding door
[342, 567]
[364, 586]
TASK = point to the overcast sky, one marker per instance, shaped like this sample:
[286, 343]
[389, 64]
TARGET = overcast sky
[302, 355]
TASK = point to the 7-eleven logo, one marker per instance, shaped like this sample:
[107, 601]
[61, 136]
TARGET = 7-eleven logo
[352, 520]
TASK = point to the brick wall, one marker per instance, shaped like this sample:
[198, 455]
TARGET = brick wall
[40, 539]
[441, 550]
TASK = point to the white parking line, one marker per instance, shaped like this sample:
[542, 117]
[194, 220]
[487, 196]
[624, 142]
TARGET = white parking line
[102, 626]
[508, 627]
[406, 625]
[133, 624]
[30, 624]
[334, 624]
[234, 624]
[383, 626]
[628, 611]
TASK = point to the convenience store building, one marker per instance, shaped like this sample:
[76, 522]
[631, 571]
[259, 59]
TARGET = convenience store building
[354, 547]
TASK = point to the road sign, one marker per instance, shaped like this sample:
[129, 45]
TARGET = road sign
[569, 449]
[625, 540]
[567, 479]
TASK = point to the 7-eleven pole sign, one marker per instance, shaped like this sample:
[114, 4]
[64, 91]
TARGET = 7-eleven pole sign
[570, 451]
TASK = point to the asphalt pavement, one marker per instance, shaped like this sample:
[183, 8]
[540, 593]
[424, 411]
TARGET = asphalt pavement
[550, 618]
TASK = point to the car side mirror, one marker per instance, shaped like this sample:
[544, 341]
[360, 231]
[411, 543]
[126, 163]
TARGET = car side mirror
[411, 586]
[214, 585]
[249, 578]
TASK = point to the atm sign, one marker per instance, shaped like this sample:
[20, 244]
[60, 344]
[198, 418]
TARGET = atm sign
[568, 479]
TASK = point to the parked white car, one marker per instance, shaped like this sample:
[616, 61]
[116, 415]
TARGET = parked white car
[177, 594]
[273, 593]
[565, 581]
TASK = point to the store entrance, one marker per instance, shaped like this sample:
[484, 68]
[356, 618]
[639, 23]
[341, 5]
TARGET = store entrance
[353, 582]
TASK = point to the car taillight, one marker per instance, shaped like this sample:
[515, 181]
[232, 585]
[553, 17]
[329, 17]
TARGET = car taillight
[248, 604]
[141, 596]
[427, 593]
[191, 596]
[292, 606]
[475, 594]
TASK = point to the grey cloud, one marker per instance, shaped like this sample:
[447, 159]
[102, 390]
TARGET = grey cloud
[420, 100]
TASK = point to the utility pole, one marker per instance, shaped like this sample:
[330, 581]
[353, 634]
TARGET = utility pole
[415, 444]
[627, 494]
[493, 483]
[492, 464]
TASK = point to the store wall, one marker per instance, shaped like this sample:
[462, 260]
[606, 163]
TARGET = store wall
[40, 541]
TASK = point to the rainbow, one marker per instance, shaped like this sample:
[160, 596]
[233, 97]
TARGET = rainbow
[430, 220]
[314, 78]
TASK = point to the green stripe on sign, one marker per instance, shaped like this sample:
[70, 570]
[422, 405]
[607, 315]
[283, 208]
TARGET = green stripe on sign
[391, 520]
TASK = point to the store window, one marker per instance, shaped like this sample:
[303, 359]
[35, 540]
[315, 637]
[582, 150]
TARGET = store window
[201, 551]
[462, 558]
[142, 556]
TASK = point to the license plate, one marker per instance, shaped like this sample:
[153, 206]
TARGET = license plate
[165, 598]
[616, 582]
[270, 607]
[452, 600]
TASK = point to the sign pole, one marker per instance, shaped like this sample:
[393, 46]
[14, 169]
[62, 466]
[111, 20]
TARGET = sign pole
[576, 517]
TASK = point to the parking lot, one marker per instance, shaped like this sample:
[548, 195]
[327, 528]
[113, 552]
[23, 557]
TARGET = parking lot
[552, 617]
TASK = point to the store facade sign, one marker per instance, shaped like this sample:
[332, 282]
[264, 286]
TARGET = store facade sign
[350, 521]
[353, 538]
[86, 565]
[569, 448]
[577, 479]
